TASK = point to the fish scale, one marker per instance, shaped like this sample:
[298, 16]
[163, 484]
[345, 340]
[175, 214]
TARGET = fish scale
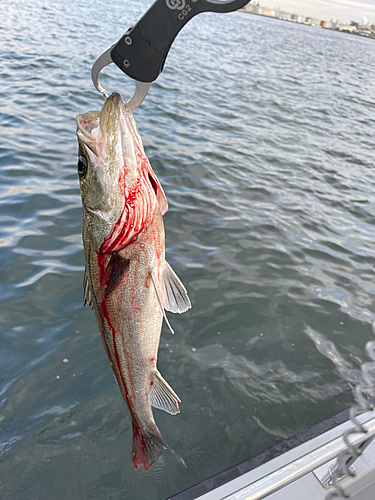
[127, 280]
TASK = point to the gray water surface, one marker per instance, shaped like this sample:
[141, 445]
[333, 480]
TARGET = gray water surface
[262, 135]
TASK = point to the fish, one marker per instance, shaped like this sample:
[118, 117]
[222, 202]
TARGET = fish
[127, 280]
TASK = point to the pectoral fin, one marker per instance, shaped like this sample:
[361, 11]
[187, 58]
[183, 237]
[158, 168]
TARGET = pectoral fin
[160, 302]
[162, 396]
[112, 275]
[174, 294]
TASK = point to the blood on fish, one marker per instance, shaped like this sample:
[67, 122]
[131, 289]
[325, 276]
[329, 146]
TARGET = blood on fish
[131, 220]
[105, 316]
[140, 202]
[140, 458]
[122, 175]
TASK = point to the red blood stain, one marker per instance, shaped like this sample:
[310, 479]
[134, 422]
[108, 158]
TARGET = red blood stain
[102, 260]
[140, 457]
[139, 206]
[138, 202]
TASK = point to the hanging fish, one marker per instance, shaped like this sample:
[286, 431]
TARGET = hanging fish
[127, 279]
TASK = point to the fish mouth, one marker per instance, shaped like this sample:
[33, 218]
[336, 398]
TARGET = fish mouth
[114, 116]
[95, 127]
[110, 137]
[114, 105]
[88, 126]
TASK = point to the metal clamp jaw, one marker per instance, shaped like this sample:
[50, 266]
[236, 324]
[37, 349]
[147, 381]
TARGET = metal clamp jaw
[141, 52]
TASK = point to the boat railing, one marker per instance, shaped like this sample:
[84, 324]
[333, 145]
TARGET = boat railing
[306, 464]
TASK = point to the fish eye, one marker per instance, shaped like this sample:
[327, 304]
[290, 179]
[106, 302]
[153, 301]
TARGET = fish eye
[82, 167]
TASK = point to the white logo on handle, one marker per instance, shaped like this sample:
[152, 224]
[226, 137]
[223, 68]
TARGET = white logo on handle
[175, 4]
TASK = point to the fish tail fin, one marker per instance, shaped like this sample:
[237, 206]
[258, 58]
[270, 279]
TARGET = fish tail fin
[147, 447]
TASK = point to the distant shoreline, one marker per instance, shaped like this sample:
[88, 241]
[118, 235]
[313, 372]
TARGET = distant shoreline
[347, 32]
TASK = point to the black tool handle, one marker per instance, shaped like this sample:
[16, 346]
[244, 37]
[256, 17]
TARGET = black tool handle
[142, 50]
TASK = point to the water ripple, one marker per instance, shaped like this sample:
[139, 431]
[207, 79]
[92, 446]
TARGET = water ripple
[262, 135]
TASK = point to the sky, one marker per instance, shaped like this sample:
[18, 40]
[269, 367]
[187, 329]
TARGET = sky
[343, 10]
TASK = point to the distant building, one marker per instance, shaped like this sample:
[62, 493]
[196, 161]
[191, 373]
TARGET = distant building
[296, 18]
[268, 12]
[249, 7]
[345, 27]
[315, 22]
[364, 28]
[286, 16]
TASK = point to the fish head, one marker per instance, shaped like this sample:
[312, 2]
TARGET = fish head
[98, 178]
[117, 183]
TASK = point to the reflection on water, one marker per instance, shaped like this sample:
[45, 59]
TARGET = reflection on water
[262, 135]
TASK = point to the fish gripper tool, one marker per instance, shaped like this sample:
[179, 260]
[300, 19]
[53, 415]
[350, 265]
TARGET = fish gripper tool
[141, 52]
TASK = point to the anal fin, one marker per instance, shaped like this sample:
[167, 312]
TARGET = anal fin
[163, 397]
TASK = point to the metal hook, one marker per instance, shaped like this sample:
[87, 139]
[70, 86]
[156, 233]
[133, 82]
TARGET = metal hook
[141, 88]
